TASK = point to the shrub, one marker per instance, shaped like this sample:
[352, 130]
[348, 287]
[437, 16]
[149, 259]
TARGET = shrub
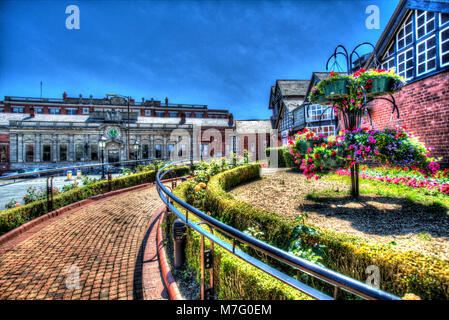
[401, 272]
[13, 218]
[234, 278]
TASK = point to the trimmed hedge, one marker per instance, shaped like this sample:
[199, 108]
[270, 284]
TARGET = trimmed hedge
[15, 217]
[234, 278]
[401, 272]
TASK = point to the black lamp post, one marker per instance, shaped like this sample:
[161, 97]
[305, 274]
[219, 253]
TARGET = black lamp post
[102, 146]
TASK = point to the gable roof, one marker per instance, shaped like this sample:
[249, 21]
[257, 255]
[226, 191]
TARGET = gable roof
[292, 87]
[397, 19]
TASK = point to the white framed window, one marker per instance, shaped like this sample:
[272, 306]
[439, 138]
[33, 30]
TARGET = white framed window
[426, 56]
[173, 114]
[405, 35]
[198, 115]
[187, 114]
[444, 18]
[38, 110]
[318, 112]
[444, 47]
[425, 23]
[17, 109]
[324, 130]
[388, 64]
[86, 110]
[160, 114]
[71, 111]
[148, 113]
[390, 51]
[55, 110]
[405, 64]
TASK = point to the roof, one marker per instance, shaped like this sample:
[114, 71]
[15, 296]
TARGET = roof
[252, 126]
[397, 19]
[293, 87]
[291, 104]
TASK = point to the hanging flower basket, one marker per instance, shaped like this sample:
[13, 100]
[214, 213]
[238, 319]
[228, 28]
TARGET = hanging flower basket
[380, 86]
[336, 89]
[321, 99]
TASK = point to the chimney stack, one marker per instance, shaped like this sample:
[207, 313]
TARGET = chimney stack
[166, 101]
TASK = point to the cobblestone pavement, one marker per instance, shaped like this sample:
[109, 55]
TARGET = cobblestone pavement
[93, 253]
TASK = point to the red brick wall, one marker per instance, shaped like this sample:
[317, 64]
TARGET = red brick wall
[424, 109]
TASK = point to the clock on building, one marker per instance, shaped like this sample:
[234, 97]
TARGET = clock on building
[112, 133]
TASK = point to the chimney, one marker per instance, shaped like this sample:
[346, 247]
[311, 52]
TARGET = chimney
[32, 112]
[64, 95]
[166, 101]
[231, 120]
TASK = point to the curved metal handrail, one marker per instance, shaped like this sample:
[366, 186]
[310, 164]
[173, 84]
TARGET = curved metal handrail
[338, 280]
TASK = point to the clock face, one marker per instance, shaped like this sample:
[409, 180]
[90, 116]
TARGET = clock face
[113, 133]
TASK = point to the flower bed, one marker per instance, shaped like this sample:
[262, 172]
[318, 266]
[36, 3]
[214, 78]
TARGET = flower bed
[438, 181]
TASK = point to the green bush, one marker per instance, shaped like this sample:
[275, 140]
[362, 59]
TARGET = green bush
[234, 278]
[13, 218]
[280, 152]
[401, 272]
[289, 160]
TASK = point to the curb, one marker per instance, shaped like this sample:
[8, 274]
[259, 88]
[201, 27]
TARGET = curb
[69, 208]
[169, 281]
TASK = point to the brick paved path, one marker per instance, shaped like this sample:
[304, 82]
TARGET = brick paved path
[103, 241]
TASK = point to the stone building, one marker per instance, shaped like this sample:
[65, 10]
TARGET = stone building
[49, 133]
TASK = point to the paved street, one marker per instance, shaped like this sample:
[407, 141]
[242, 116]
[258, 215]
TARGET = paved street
[93, 253]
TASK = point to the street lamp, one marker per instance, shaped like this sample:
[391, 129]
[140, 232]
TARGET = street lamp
[102, 146]
[136, 147]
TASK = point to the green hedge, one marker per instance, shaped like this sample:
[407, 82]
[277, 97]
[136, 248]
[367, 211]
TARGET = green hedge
[401, 272]
[233, 278]
[13, 218]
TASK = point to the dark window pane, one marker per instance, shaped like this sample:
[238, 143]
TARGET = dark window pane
[420, 21]
[401, 68]
[431, 53]
[409, 64]
[445, 58]
[431, 42]
[430, 25]
[421, 68]
[410, 73]
[46, 154]
[409, 54]
[421, 57]
[431, 64]
[420, 32]
[409, 39]
[445, 35]
[445, 46]
[444, 18]
[421, 47]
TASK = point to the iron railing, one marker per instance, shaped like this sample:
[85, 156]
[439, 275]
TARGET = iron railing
[337, 280]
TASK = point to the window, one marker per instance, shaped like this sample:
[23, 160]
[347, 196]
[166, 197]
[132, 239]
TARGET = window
[324, 130]
[405, 64]
[187, 114]
[29, 153]
[79, 154]
[318, 112]
[170, 149]
[444, 18]
[3, 154]
[405, 35]
[148, 113]
[173, 114]
[63, 152]
[426, 56]
[55, 111]
[390, 51]
[145, 151]
[444, 47]
[71, 111]
[46, 153]
[198, 115]
[2, 109]
[388, 64]
[94, 152]
[86, 110]
[158, 151]
[160, 114]
[425, 23]
[38, 110]
[17, 109]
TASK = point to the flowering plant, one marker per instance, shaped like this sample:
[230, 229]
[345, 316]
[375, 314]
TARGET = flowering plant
[365, 78]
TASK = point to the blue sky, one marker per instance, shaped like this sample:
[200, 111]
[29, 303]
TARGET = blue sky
[225, 54]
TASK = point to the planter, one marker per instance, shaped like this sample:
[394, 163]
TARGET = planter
[380, 87]
[337, 89]
[321, 99]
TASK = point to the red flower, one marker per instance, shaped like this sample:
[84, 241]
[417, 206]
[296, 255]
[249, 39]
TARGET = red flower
[317, 155]
[332, 73]
[309, 150]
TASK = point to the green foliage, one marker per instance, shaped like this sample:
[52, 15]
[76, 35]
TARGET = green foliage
[401, 272]
[14, 217]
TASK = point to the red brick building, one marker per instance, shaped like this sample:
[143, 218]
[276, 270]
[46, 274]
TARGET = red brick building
[416, 43]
